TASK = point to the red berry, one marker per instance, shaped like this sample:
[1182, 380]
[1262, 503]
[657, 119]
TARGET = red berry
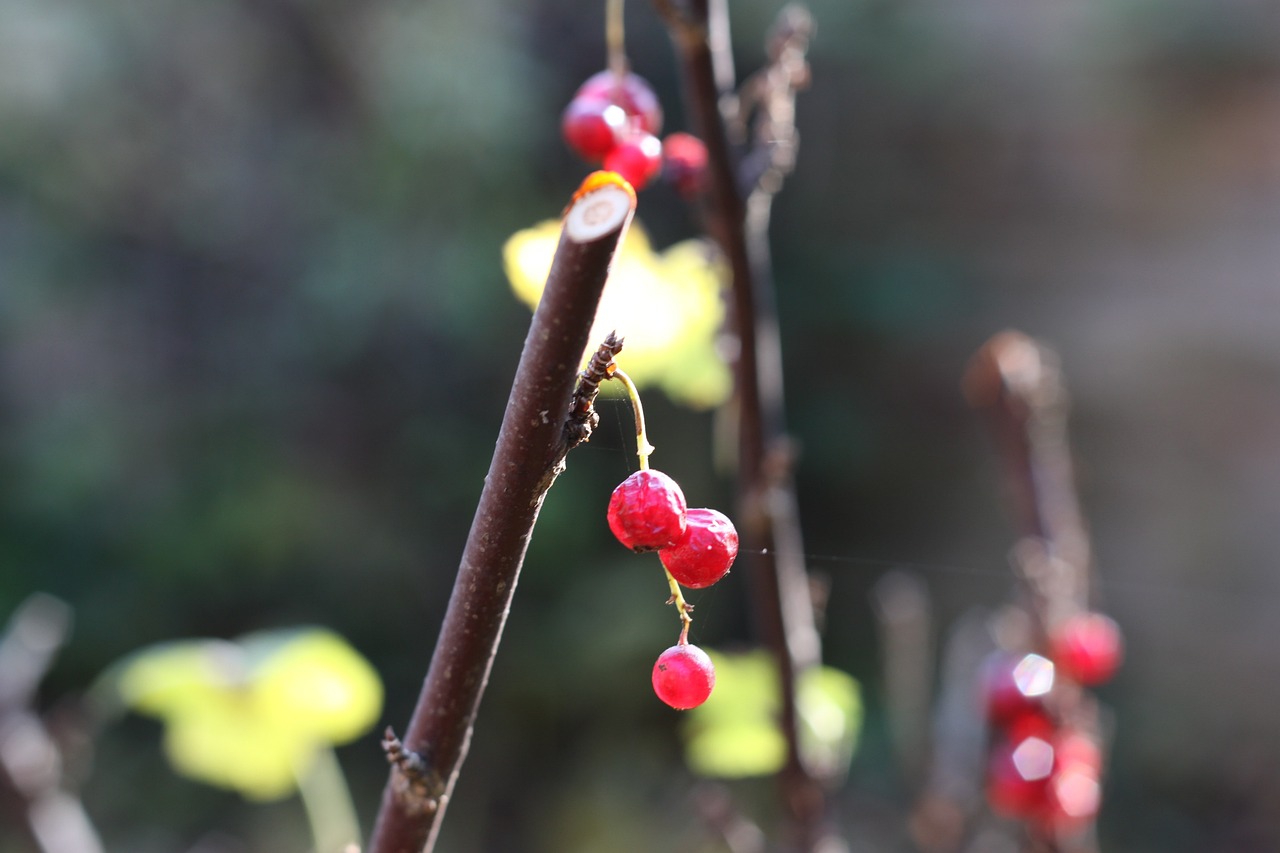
[683, 677]
[637, 157]
[647, 511]
[591, 126]
[631, 92]
[1015, 685]
[1088, 647]
[684, 163]
[1018, 774]
[705, 552]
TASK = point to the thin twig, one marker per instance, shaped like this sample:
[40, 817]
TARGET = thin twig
[583, 418]
[770, 529]
[530, 453]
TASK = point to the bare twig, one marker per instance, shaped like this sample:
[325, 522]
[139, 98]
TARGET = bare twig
[530, 453]
[583, 418]
[770, 528]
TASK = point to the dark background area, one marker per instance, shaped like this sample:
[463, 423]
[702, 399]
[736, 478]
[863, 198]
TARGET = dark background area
[255, 342]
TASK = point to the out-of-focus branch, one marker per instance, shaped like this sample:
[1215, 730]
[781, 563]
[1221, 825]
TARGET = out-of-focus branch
[31, 761]
[770, 524]
[1017, 384]
[903, 613]
[541, 421]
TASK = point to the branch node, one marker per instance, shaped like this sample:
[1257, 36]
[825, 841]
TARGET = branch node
[419, 789]
[583, 418]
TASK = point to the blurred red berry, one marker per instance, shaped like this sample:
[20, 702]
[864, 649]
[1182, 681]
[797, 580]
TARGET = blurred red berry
[591, 126]
[637, 157]
[1015, 685]
[1018, 774]
[684, 163]
[1087, 647]
[631, 92]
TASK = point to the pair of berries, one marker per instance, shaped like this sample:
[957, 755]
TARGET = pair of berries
[648, 512]
[1039, 771]
[614, 119]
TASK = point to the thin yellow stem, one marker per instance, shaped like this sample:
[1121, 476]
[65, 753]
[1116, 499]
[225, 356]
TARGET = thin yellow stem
[615, 38]
[643, 447]
[677, 598]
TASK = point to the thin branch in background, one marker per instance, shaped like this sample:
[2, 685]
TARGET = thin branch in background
[530, 453]
[942, 817]
[770, 524]
[904, 615]
[1017, 384]
[31, 761]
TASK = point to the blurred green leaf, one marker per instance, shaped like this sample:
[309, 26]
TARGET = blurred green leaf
[735, 733]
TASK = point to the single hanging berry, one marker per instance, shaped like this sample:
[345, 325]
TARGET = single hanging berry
[591, 126]
[1087, 647]
[629, 91]
[647, 511]
[683, 677]
[705, 552]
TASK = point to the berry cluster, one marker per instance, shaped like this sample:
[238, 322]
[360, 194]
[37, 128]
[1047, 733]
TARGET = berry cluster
[648, 512]
[614, 119]
[1044, 765]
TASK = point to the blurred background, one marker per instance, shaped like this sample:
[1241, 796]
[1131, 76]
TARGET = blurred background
[255, 343]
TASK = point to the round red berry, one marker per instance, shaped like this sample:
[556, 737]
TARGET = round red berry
[684, 163]
[1018, 774]
[683, 676]
[647, 511]
[1088, 647]
[637, 157]
[1015, 685]
[629, 91]
[591, 126]
[705, 552]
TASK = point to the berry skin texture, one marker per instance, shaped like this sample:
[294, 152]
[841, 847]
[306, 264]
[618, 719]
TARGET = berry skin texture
[1088, 647]
[684, 163]
[705, 552]
[637, 157]
[647, 511]
[632, 92]
[683, 677]
[591, 126]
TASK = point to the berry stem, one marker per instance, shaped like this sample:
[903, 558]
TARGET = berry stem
[615, 39]
[677, 598]
[643, 448]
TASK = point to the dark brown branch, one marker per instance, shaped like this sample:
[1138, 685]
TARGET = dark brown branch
[530, 453]
[770, 525]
